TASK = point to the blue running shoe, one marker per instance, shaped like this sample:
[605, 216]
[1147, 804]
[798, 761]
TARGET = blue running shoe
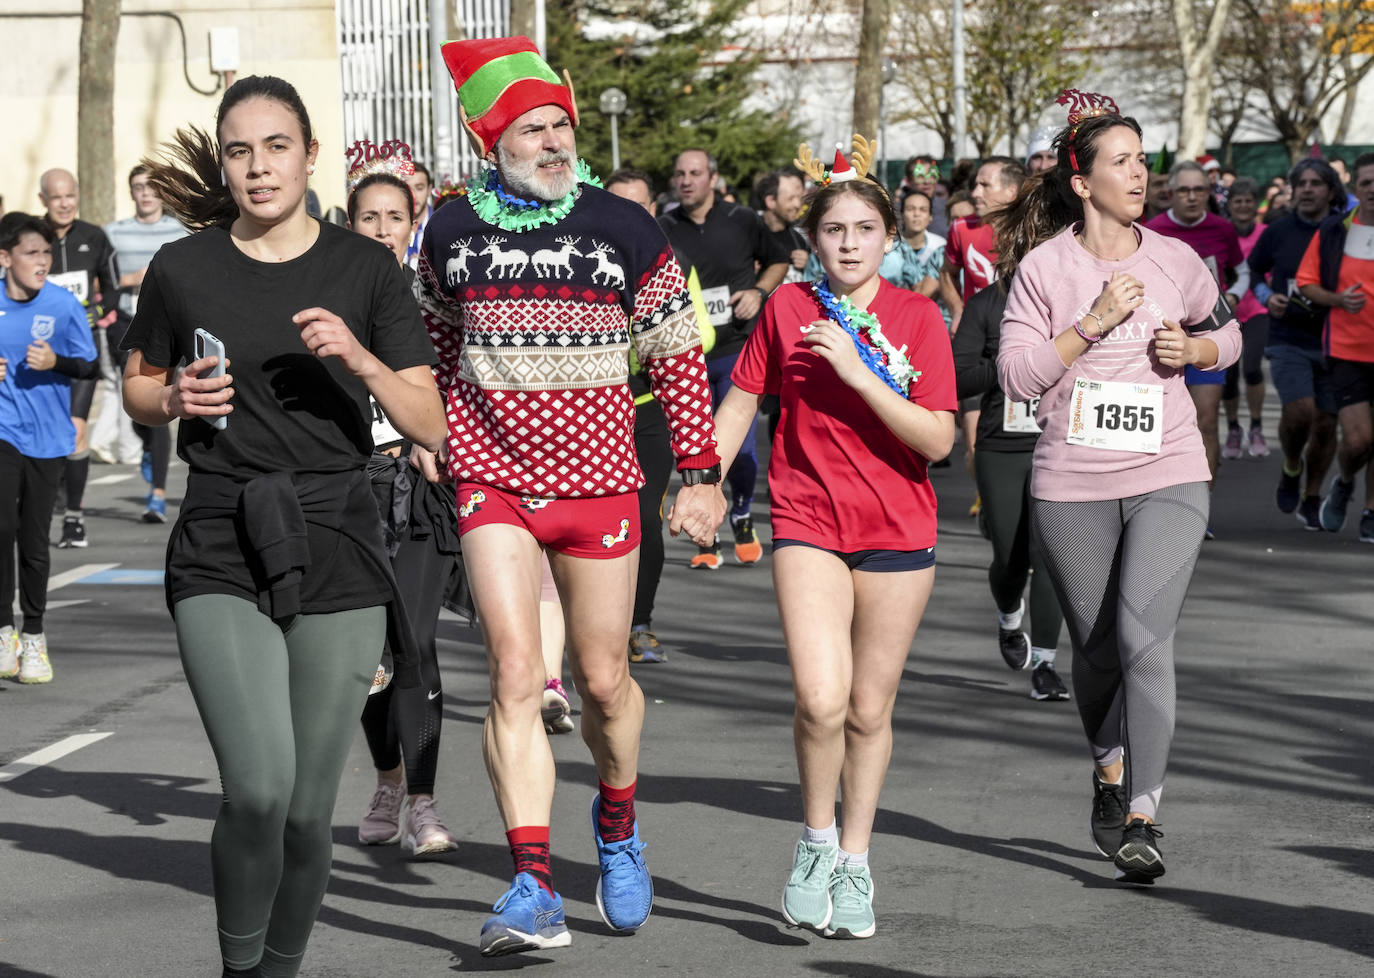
[145, 467]
[625, 892]
[156, 511]
[527, 919]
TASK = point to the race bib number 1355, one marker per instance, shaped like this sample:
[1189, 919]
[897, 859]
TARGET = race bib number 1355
[1117, 416]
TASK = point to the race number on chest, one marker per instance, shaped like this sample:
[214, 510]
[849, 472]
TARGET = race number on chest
[1117, 416]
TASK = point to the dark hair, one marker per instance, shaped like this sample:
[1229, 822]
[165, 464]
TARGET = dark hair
[1244, 185]
[16, 224]
[913, 192]
[382, 179]
[764, 187]
[711, 165]
[138, 171]
[1325, 173]
[1363, 160]
[188, 172]
[421, 168]
[1012, 172]
[870, 192]
[958, 197]
[1047, 204]
[628, 174]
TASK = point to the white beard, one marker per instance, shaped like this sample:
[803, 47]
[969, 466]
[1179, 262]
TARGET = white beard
[526, 179]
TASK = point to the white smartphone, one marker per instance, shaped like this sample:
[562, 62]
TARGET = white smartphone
[207, 344]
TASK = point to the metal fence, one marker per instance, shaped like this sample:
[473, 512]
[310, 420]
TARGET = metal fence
[391, 71]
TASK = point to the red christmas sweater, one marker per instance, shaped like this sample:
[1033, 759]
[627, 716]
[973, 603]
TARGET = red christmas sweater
[533, 332]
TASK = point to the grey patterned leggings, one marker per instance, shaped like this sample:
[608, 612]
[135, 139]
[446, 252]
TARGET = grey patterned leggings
[1121, 569]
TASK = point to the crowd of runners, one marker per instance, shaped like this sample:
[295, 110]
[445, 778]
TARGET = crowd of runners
[483, 408]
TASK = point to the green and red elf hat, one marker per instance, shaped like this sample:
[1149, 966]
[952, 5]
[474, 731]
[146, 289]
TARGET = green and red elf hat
[499, 79]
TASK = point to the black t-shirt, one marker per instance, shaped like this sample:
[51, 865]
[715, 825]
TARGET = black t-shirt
[975, 370]
[724, 248]
[83, 263]
[293, 412]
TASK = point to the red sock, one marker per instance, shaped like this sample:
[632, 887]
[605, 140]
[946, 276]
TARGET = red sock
[616, 818]
[529, 845]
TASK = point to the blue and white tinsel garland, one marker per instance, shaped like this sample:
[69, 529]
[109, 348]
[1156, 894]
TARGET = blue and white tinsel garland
[875, 350]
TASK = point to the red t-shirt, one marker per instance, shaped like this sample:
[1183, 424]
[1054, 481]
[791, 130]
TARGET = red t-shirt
[972, 248]
[838, 477]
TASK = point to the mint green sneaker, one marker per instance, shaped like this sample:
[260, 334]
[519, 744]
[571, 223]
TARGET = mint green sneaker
[806, 897]
[851, 894]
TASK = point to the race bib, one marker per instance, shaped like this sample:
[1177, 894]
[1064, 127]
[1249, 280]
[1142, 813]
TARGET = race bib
[384, 434]
[1018, 417]
[1117, 416]
[718, 310]
[1359, 242]
[77, 283]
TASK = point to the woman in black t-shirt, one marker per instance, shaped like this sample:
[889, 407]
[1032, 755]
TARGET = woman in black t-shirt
[277, 576]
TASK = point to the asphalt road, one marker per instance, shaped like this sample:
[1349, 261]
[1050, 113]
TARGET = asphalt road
[982, 857]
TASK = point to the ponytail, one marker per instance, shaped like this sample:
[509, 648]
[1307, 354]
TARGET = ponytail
[1045, 206]
[187, 176]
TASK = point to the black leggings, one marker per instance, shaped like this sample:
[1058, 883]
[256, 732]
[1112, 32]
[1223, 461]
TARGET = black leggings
[1254, 338]
[1121, 568]
[28, 487]
[404, 724]
[656, 459]
[1004, 484]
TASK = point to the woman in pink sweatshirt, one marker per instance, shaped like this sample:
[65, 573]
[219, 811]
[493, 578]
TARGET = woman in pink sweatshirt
[1102, 318]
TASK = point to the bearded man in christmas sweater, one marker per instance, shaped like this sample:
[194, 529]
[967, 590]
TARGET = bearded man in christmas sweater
[535, 286]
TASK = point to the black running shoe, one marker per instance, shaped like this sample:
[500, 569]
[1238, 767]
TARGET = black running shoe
[1109, 815]
[1015, 648]
[1309, 513]
[1046, 684]
[1288, 493]
[1139, 860]
[73, 533]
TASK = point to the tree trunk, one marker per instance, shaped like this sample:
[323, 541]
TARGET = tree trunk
[522, 18]
[1199, 49]
[868, 77]
[95, 109]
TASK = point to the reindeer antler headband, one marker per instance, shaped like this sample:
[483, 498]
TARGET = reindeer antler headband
[1083, 105]
[862, 157]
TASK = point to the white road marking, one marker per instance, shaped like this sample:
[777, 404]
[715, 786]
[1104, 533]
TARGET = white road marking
[109, 480]
[76, 574]
[47, 755]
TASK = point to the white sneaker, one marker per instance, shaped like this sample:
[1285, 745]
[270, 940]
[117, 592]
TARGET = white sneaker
[33, 659]
[9, 652]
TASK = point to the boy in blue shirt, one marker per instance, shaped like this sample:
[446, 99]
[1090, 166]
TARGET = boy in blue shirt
[45, 343]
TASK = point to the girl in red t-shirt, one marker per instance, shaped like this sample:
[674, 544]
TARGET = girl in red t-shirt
[865, 380]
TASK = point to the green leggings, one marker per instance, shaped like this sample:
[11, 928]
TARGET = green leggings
[280, 709]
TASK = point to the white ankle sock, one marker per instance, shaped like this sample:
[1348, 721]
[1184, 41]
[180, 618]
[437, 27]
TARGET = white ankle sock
[1039, 655]
[829, 836]
[854, 858]
[1012, 621]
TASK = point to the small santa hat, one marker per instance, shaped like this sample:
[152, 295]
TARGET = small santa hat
[1208, 163]
[499, 79]
[841, 171]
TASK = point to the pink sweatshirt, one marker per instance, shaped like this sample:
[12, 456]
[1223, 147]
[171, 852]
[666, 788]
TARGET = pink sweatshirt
[1055, 286]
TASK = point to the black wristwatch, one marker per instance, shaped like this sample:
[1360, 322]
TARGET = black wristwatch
[708, 476]
[763, 293]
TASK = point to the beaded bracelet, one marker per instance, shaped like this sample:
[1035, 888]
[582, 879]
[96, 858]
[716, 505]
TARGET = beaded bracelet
[1090, 340]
